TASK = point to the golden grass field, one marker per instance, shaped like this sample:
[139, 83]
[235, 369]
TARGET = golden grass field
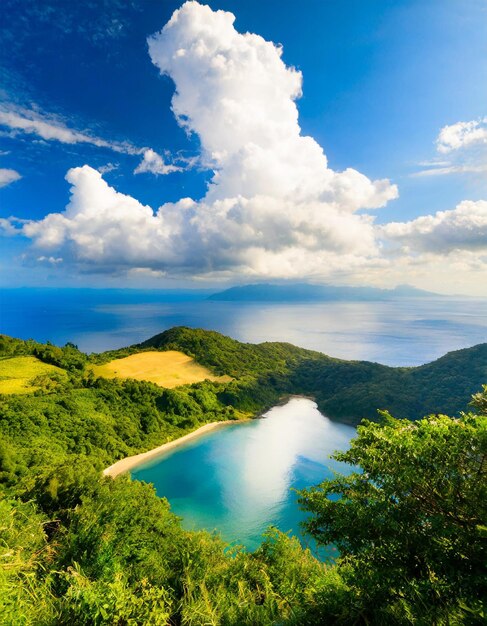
[167, 369]
[17, 372]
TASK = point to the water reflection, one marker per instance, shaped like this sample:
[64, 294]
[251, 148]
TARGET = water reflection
[238, 480]
[402, 332]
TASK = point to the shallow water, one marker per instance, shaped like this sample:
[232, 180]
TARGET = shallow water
[238, 480]
[406, 331]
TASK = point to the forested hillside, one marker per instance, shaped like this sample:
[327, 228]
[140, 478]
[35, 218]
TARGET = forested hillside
[348, 390]
[76, 548]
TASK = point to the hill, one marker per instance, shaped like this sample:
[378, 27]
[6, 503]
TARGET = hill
[346, 390]
[19, 374]
[303, 292]
[250, 377]
[78, 548]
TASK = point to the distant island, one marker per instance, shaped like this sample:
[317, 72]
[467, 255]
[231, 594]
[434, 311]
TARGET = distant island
[304, 292]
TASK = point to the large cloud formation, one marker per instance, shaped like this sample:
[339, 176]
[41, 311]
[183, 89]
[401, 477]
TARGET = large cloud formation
[273, 206]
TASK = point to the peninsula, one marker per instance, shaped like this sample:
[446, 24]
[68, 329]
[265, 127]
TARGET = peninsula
[96, 545]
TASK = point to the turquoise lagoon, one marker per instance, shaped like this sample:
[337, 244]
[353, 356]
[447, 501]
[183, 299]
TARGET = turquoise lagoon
[240, 479]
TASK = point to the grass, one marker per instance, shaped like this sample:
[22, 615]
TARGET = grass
[17, 373]
[167, 369]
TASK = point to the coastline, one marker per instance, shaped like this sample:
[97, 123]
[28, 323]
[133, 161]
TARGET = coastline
[125, 465]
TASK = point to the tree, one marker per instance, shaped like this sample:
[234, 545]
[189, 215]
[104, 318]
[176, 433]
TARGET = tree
[410, 521]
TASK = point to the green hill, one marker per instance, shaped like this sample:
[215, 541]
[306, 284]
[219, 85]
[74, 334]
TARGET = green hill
[77, 548]
[347, 390]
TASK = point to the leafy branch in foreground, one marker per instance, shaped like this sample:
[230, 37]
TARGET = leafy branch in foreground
[410, 523]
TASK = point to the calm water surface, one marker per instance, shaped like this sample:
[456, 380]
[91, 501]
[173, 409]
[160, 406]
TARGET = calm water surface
[238, 480]
[407, 331]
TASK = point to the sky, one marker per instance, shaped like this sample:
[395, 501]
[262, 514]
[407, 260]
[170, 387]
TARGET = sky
[166, 144]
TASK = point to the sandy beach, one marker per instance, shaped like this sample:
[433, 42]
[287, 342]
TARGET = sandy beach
[125, 465]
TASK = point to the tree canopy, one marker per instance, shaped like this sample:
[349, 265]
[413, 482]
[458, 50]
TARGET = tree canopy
[410, 522]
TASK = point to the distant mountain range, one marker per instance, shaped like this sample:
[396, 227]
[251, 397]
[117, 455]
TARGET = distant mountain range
[303, 292]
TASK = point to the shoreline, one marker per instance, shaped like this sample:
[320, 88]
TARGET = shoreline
[126, 464]
[129, 462]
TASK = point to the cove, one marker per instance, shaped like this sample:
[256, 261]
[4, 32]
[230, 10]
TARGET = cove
[238, 480]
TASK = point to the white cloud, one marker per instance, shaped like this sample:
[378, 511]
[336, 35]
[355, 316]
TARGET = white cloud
[50, 128]
[236, 93]
[456, 272]
[50, 260]
[8, 176]
[99, 224]
[462, 228]
[144, 272]
[448, 169]
[108, 167]
[103, 228]
[462, 135]
[273, 207]
[153, 163]
[465, 143]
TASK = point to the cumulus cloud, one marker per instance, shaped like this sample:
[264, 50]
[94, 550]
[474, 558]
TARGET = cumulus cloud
[462, 135]
[462, 228]
[273, 206]
[8, 176]
[235, 92]
[102, 228]
[153, 163]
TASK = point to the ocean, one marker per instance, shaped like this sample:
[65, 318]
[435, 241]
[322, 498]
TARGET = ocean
[403, 332]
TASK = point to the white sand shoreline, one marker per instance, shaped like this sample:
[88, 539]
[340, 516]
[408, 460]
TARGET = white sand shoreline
[129, 462]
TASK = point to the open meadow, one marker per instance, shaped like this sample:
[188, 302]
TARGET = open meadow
[18, 373]
[166, 369]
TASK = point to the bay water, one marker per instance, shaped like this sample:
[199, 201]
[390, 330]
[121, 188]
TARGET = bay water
[240, 479]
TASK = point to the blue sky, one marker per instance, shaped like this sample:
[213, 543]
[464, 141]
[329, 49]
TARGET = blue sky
[380, 80]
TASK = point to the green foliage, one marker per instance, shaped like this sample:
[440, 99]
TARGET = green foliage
[24, 596]
[68, 357]
[352, 390]
[99, 418]
[410, 525]
[120, 557]
[9, 346]
[76, 548]
[345, 390]
[228, 356]
[93, 603]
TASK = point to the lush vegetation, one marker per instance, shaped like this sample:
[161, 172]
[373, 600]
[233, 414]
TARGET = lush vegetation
[411, 524]
[81, 549]
[20, 374]
[345, 390]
